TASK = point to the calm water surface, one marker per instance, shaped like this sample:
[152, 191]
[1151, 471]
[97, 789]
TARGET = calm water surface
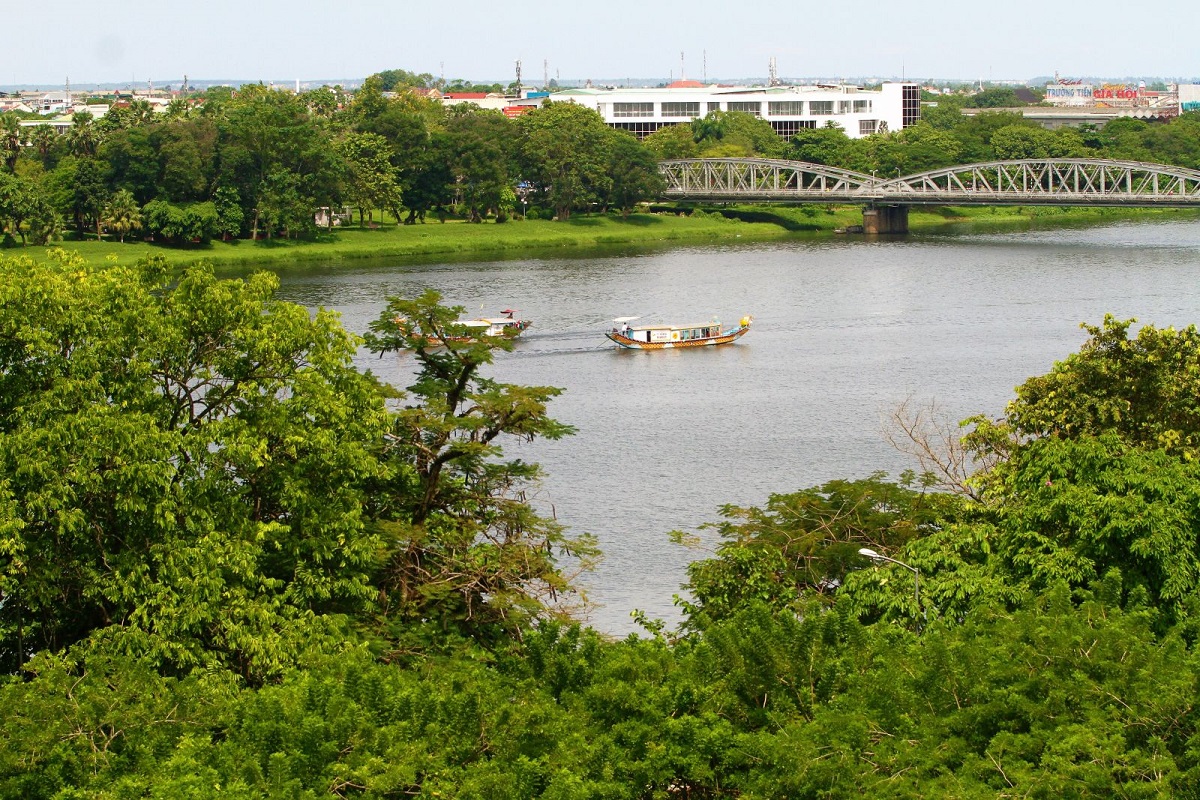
[845, 330]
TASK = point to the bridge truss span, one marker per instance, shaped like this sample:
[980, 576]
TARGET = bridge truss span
[1051, 182]
[760, 179]
[1064, 181]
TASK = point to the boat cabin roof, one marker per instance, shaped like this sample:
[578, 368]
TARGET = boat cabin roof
[674, 327]
[484, 321]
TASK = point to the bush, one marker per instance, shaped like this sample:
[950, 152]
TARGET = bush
[194, 222]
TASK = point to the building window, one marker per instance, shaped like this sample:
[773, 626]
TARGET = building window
[713, 107]
[844, 106]
[681, 110]
[821, 108]
[862, 106]
[633, 109]
[787, 128]
[867, 126]
[640, 130]
[910, 106]
[754, 108]
[785, 108]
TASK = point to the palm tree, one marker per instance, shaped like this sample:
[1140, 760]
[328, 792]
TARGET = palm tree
[141, 112]
[179, 108]
[10, 141]
[82, 136]
[42, 138]
[121, 214]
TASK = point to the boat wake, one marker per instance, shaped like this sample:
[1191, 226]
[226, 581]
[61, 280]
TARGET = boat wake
[533, 345]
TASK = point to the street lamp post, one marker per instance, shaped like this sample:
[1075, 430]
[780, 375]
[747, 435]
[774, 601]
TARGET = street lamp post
[871, 554]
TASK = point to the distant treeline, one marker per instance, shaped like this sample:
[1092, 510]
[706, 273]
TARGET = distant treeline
[259, 162]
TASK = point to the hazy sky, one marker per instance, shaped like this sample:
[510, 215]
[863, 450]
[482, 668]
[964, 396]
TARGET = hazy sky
[128, 41]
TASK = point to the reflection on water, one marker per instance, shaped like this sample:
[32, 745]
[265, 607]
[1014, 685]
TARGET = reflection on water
[845, 330]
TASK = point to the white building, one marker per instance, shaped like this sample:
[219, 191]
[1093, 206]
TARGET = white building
[789, 109]
[1189, 97]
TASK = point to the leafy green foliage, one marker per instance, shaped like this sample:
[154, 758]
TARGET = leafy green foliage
[184, 465]
[735, 134]
[483, 159]
[463, 544]
[1145, 388]
[826, 145]
[634, 173]
[197, 222]
[121, 214]
[564, 153]
[805, 543]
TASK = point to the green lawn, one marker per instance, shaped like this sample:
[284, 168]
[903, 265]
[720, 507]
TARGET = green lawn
[435, 239]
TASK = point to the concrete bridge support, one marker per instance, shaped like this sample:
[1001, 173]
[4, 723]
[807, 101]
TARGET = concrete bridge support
[885, 219]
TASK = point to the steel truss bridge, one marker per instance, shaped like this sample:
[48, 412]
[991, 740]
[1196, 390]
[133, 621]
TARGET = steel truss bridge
[1052, 182]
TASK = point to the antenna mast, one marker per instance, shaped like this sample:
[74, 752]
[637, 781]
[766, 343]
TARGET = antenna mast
[518, 76]
[772, 73]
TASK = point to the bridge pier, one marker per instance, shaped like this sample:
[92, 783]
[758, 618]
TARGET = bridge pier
[885, 219]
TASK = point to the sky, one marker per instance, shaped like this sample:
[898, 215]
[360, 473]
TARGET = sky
[282, 41]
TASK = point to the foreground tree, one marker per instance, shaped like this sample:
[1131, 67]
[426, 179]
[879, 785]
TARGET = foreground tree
[180, 465]
[464, 545]
[803, 545]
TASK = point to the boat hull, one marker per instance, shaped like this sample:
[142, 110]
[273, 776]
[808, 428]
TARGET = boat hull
[633, 344]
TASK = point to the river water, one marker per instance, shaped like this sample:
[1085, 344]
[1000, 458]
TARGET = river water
[845, 330]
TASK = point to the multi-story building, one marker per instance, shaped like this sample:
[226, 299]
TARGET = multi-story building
[859, 112]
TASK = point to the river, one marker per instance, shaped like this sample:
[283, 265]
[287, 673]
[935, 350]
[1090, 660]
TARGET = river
[845, 330]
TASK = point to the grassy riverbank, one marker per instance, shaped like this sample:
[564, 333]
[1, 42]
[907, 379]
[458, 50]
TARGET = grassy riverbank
[456, 238]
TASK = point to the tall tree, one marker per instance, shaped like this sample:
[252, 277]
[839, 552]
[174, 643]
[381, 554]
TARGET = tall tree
[371, 178]
[11, 141]
[87, 194]
[483, 158]
[564, 152]
[672, 141]
[278, 158]
[43, 138]
[83, 137]
[428, 177]
[132, 162]
[187, 154]
[464, 547]
[122, 215]
[634, 173]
